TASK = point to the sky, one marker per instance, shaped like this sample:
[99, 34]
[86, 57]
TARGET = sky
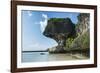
[33, 25]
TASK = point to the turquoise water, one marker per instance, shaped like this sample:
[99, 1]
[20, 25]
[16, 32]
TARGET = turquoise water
[34, 56]
[45, 57]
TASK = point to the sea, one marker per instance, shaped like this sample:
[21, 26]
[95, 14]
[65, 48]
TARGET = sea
[46, 56]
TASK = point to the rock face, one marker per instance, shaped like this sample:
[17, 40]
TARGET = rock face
[57, 49]
[59, 29]
[83, 23]
[82, 41]
[70, 37]
[82, 29]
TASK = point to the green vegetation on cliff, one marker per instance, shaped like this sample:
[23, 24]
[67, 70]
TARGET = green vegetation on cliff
[69, 36]
[82, 40]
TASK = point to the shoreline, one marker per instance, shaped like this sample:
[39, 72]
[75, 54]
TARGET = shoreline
[34, 51]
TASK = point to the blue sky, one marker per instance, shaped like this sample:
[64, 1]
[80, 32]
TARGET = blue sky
[33, 25]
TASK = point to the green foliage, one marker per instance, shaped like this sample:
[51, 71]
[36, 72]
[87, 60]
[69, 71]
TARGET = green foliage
[55, 19]
[69, 42]
[68, 20]
[73, 36]
[85, 41]
[81, 42]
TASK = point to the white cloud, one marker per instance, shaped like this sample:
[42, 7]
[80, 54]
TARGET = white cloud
[45, 16]
[44, 22]
[29, 13]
